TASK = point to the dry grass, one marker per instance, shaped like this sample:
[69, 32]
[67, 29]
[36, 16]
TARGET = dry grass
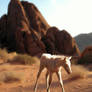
[11, 55]
[16, 58]
[4, 55]
[23, 59]
[10, 76]
[78, 72]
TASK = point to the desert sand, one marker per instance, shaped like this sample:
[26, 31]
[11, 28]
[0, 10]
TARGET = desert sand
[29, 77]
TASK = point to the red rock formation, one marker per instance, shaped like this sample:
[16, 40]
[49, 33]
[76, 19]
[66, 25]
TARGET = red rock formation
[3, 33]
[21, 37]
[61, 42]
[86, 56]
[87, 51]
[35, 18]
[25, 30]
[17, 21]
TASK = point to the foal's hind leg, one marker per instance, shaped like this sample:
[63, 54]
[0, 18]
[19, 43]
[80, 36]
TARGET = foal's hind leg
[48, 80]
[38, 75]
[60, 80]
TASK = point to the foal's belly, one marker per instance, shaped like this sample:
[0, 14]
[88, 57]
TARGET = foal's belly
[52, 68]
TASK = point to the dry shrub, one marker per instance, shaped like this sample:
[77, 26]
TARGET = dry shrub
[78, 72]
[24, 59]
[4, 54]
[15, 58]
[11, 76]
[11, 55]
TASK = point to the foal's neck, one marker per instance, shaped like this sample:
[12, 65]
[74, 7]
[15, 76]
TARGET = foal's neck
[60, 63]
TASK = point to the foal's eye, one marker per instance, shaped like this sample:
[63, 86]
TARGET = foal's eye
[66, 65]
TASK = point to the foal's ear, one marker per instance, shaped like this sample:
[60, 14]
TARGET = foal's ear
[70, 57]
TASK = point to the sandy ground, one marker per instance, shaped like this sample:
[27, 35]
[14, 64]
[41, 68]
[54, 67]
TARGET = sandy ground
[30, 72]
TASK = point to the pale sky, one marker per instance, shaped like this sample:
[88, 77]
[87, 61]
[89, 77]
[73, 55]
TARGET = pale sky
[75, 16]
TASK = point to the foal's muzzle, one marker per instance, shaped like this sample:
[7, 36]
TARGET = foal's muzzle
[68, 71]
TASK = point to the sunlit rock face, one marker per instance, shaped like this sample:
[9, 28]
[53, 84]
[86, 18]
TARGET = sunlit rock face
[25, 30]
[22, 35]
[60, 42]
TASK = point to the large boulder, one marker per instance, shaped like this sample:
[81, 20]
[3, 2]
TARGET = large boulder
[60, 42]
[86, 56]
[3, 33]
[17, 24]
[36, 20]
[21, 37]
[87, 51]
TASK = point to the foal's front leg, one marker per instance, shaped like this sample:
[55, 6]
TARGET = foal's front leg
[48, 80]
[38, 75]
[60, 79]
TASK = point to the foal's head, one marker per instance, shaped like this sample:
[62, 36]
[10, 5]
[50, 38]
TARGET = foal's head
[67, 65]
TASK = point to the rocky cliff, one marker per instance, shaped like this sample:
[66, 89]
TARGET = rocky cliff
[25, 30]
[60, 42]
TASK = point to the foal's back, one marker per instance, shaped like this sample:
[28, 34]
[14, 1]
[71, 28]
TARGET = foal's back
[51, 62]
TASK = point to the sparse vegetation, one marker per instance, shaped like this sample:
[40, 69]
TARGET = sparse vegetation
[4, 54]
[24, 59]
[79, 72]
[10, 76]
[17, 58]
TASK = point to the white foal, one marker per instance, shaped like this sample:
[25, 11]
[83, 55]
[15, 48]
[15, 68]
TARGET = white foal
[53, 63]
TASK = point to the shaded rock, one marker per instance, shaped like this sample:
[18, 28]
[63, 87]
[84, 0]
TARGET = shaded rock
[17, 21]
[49, 40]
[36, 20]
[3, 33]
[60, 42]
[87, 51]
[21, 37]
[86, 56]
